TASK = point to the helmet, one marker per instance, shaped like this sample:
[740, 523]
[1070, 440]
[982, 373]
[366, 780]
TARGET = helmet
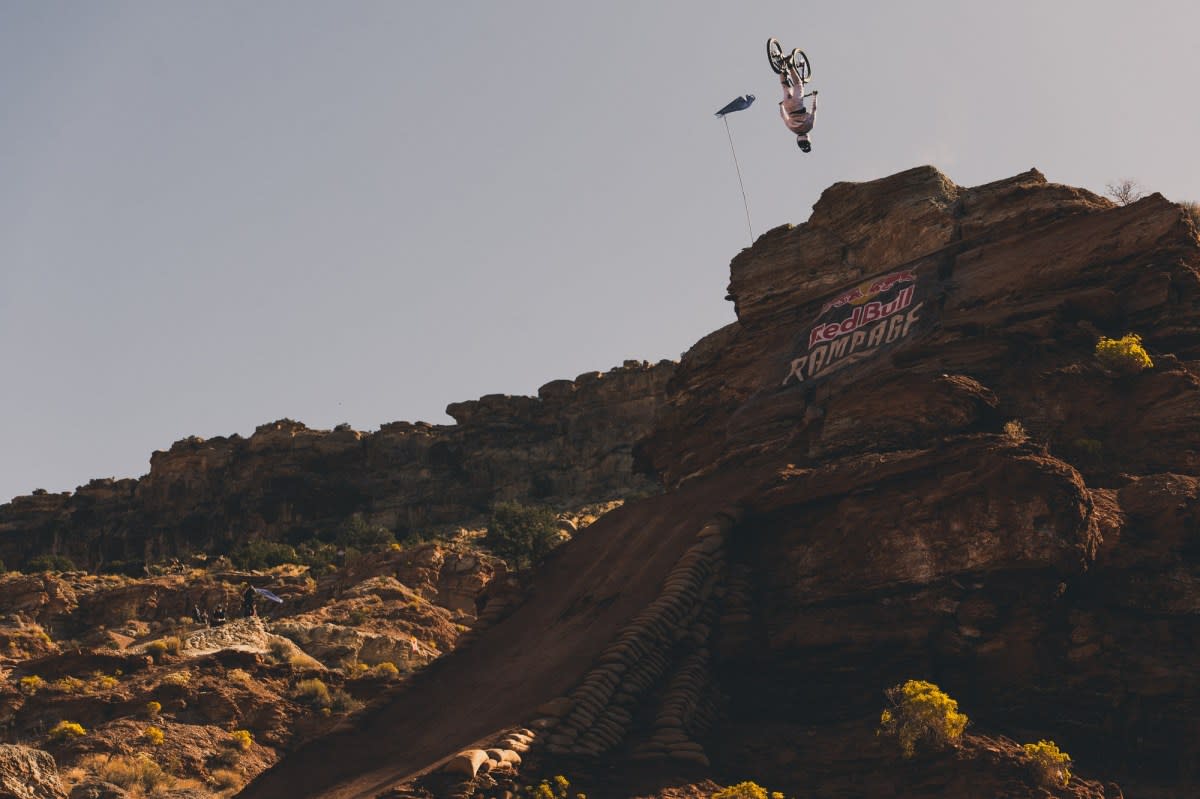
[804, 144]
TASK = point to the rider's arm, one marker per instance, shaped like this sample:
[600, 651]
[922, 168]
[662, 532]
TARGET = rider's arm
[814, 99]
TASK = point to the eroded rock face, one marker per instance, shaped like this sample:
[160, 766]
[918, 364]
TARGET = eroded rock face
[570, 445]
[28, 774]
[973, 499]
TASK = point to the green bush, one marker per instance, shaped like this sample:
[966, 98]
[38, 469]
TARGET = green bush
[263, 555]
[521, 534]
[356, 533]
[1124, 355]
[313, 692]
[50, 563]
[1050, 765]
[921, 714]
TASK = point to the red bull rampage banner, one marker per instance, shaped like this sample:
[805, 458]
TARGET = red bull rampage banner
[858, 324]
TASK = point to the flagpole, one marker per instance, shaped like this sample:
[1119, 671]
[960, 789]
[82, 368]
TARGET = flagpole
[739, 174]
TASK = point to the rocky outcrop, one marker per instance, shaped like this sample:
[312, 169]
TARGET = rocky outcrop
[926, 475]
[28, 774]
[570, 445]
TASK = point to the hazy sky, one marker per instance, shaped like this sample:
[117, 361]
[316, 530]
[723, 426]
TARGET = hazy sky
[218, 214]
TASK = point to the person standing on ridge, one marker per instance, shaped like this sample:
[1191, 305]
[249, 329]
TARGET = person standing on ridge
[248, 608]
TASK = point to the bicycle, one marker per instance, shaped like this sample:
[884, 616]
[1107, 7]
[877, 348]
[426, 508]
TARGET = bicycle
[780, 64]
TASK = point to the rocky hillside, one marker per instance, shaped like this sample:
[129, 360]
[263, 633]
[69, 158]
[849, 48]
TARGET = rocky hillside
[921, 453]
[570, 445]
[904, 461]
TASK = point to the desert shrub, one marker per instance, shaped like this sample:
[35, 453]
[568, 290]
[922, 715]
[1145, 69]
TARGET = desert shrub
[342, 702]
[313, 692]
[153, 735]
[521, 534]
[558, 788]
[50, 563]
[743, 790]
[225, 779]
[356, 533]
[1050, 764]
[31, 685]
[68, 685]
[357, 617]
[172, 644]
[386, 670]
[104, 682]
[241, 739]
[318, 555]
[1193, 212]
[66, 729]
[139, 773]
[1014, 431]
[263, 555]
[153, 708]
[179, 679]
[921, 714]
[156, 650]
[239, 676]
[1124, 355]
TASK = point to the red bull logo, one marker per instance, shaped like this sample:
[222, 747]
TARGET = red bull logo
[872, 288]
[862, 315]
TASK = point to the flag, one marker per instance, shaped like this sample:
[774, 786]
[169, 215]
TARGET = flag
[737, 104]
[265, 593]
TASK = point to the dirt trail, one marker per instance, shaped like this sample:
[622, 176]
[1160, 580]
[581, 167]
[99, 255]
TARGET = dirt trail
[593, 586]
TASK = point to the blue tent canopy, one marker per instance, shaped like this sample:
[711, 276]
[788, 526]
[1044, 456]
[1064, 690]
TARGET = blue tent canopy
[737, 104]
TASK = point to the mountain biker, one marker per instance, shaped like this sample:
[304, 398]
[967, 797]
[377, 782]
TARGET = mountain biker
[799, 120]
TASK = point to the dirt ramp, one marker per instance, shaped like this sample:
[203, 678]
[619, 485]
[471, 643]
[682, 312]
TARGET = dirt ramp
[590, 591]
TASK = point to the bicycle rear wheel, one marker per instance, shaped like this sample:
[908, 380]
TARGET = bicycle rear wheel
[801, 63]
[775, 56]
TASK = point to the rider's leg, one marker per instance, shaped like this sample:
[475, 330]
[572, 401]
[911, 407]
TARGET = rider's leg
[788, 83]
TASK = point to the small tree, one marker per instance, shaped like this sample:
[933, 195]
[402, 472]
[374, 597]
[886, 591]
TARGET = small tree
[521, 534]
[357, 533]
[921, 713]
[1125, 191]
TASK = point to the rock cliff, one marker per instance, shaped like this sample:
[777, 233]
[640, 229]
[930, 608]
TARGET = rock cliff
[568, 446]
[902, 461]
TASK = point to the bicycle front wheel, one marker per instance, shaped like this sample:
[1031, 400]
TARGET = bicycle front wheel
[801, 63]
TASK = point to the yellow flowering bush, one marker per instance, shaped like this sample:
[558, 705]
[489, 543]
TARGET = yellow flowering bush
[386, 670]
[153, 735]
[921, 713]
[1124, 355]
[242, 739]
[31, 684]
[1051, 765]
[153, 708]
[66, 729]
[743, 790]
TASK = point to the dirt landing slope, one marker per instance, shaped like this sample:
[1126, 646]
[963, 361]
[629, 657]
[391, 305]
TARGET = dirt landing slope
[594, 586]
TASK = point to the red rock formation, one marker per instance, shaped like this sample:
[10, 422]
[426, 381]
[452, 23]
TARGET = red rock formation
[569, 445]
[932, 478]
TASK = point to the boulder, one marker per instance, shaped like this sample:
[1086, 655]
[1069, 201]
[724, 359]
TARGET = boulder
[27, 773]
[467, 763]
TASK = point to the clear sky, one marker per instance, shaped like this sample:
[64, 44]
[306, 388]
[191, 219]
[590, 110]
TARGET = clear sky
[217, 214]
